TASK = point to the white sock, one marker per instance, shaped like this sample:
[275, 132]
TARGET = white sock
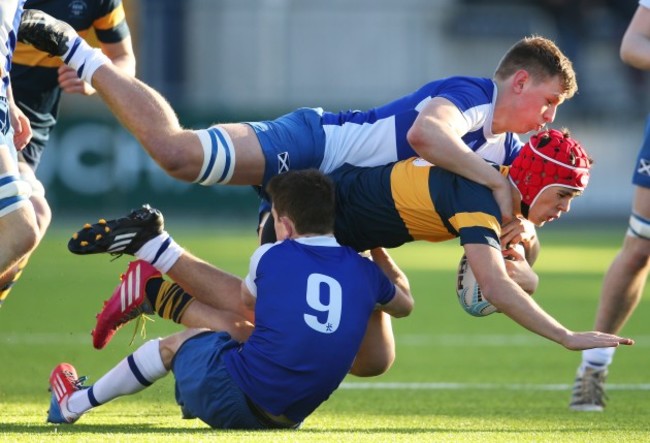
[84, 59]
[136, 372]
[599, 358]
[161, 252]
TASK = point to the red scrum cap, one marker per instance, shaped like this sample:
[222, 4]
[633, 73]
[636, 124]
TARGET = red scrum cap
[550, 158]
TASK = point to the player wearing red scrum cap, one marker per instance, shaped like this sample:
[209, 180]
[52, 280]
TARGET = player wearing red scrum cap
[410, 200]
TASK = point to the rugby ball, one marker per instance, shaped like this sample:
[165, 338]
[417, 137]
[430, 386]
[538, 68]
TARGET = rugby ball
[469, 293]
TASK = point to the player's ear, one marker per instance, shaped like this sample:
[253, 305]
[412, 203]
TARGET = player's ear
[288, 226]
[519, 80]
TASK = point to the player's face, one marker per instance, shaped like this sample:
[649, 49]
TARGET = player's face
[551, 203]
[537, 104]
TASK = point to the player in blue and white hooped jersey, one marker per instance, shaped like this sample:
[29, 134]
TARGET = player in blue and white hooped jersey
[379, 136]
[312, 298]
[444, 122]
[18, 232]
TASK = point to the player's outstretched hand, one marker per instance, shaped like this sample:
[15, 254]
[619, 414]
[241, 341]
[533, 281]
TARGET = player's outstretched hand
[578, 341]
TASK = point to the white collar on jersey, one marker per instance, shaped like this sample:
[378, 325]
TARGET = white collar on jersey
[318, 240]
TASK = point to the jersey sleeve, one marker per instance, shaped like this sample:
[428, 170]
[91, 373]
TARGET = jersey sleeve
[385, 289]
[249, 281]
[479, 235]
[111, 26]
[472, 98]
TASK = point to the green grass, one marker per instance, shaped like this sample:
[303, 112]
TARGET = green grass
[473, 379]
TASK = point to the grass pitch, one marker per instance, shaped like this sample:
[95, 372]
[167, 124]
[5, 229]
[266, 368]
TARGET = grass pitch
[457, 378]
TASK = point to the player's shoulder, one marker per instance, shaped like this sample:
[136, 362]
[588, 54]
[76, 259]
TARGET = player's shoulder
[461, 82]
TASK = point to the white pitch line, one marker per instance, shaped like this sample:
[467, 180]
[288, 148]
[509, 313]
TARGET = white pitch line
[487, 340]
[403, 340]
[481, 386]
[43, 338]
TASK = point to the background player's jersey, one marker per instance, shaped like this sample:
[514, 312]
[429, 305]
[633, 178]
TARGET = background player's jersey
[10, 12]
[34, 75]
[412, 200]
[105, 16]
[314, 299]
[378, 136]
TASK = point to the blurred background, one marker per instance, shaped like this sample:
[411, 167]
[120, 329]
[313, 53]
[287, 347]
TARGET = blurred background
[237, 60]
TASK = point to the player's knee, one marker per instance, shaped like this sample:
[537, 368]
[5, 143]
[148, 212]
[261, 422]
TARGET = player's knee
[43, 213]
[39, 202]
[170, 345]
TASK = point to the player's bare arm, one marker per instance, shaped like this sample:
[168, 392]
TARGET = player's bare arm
[121, 54]
[436, 137]
[510, 299]
[635, 47]
[19, 122]
[402, 304]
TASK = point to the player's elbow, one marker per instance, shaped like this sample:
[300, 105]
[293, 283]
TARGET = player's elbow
[404, 305]
[169, 153]
[416, 136]
[492, 291]
[407, 308]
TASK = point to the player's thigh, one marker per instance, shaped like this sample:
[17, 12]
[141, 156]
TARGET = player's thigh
[39, 202]
[641, 202]
[16, 212]
[8, 160]
[637, 242]
[249, 158]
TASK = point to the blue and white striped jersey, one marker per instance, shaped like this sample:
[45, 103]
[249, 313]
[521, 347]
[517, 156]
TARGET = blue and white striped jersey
[10, 12]
[378, 136]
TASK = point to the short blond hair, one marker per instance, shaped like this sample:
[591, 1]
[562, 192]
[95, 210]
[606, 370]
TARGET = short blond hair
[542, 59]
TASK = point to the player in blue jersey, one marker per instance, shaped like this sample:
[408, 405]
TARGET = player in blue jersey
[18, 228]
[386, 206]
[312, 302]
[626, 277]
[37, 81]
[445, 121]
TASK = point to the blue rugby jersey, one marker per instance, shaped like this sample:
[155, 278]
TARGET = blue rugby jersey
[378, 136]
[314, 299]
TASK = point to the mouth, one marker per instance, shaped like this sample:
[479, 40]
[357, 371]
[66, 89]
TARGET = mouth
[552, 217]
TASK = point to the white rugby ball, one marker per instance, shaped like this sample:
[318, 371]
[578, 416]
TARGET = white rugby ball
[469, 293]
